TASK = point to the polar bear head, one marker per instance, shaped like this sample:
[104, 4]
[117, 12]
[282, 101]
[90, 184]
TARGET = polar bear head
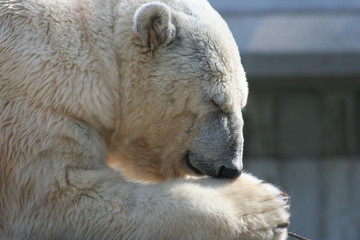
[183, 90]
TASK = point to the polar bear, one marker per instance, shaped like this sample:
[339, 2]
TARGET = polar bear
[155, 88]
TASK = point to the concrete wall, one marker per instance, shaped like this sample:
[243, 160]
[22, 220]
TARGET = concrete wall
[302, 121]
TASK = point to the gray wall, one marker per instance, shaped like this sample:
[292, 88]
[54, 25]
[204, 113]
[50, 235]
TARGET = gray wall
[302, 121]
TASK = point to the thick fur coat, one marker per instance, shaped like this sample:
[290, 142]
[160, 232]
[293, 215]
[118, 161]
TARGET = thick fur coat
[154, 88]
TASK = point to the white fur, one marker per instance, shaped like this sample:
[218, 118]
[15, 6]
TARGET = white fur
[76, 85]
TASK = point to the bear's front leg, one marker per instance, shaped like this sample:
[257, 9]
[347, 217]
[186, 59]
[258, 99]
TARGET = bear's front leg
[246, 208]
[98, 204]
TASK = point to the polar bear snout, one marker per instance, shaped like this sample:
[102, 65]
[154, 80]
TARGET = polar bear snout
[217, 150]
[217, 169]
[229, 172]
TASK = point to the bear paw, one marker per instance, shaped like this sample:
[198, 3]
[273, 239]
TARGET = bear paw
[261, 208]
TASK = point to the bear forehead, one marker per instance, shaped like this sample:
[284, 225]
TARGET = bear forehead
[205, 34]
[219, 66]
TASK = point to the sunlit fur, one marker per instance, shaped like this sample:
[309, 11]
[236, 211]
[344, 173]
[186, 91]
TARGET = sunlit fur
[80, 87]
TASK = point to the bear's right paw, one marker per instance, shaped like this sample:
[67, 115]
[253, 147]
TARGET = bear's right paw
[261, 208]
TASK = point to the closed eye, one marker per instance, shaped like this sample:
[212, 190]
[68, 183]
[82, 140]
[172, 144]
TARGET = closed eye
[219, 106]
[215, 103]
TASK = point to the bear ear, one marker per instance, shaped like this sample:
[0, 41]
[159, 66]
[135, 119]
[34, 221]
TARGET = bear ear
[152, 21]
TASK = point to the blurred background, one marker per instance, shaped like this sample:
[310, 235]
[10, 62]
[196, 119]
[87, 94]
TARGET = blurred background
[302, 121]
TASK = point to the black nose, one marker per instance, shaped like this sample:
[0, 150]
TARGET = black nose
[229, 172]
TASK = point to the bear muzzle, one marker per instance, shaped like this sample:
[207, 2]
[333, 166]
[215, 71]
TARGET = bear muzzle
[217, 149]
[224, 168]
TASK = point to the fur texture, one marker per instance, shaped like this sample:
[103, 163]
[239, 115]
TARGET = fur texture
[154, 88]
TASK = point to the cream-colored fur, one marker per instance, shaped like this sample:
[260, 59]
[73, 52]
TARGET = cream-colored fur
[83, 81]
